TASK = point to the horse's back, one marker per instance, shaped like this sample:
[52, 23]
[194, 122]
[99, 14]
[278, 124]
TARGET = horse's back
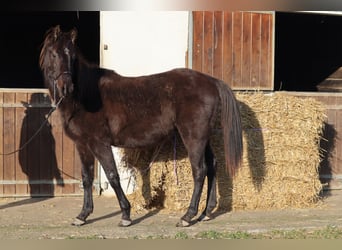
[193, 84]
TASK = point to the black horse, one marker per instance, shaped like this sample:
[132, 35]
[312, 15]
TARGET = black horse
[100, 108]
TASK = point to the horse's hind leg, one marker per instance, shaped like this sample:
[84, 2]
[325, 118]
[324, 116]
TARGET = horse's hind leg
[87, 160]
[105, 155]
[196, 156]
[211, 193]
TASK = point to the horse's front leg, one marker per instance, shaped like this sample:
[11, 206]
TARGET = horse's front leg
[104, 154]
[87, 160]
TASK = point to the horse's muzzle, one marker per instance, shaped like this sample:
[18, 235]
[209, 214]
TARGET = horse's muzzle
[64, 85]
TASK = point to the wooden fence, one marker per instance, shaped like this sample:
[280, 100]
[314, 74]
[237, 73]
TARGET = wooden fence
[47, 163]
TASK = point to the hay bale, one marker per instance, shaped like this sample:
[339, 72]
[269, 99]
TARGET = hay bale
[281, 156]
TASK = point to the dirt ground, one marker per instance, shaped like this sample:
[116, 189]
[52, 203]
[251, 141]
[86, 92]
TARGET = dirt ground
[39, 218]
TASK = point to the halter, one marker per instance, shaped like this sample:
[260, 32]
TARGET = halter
[63, 73]
[55, 87]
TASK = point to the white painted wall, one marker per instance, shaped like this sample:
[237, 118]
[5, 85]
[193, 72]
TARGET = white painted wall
[141, 43]
[145, 42]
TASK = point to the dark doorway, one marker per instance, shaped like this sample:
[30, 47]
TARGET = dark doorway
[308, 49]
[22, 34]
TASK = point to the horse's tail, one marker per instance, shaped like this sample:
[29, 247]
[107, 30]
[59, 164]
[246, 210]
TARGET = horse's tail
[232, 128]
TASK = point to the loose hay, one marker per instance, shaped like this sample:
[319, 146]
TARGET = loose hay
[281, 157]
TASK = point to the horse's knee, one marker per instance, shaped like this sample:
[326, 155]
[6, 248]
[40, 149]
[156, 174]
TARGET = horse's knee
[199, 175]
[113, 178]
[87, 183]
[113, 175]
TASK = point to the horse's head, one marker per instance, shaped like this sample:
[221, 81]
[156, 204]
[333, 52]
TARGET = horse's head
[57, 59]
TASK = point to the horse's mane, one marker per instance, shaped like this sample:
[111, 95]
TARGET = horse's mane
[49, 36]
[86, 83]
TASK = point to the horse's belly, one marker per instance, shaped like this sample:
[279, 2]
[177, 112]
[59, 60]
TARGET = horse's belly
[142, 134]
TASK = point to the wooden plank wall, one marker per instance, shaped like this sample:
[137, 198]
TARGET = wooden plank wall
[237, 47]
[49, 165]
[331, 165]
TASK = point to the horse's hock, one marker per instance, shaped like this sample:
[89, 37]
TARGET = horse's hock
[280, 162]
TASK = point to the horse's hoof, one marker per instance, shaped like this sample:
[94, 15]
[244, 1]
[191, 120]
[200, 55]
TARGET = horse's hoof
[183, 223]
[78, 222]
[204, 217]
[125, 223]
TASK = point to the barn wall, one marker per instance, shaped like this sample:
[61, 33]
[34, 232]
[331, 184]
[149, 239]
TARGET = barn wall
[49, 164]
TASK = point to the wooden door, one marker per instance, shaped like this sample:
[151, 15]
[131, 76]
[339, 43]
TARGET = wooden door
[237, 47]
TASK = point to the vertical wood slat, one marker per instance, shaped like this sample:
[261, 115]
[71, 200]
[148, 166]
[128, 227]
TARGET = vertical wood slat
[208, 43]
[197, 40]
[1, 142]
[266, 51]
[9, 143]
[68, 163]
[41, 160]
[47, 160]
[334, 119]
[246, 49]
[237, 47]
[57, 132]
[237, 50]
[338, 165]
[218, 45]
[336, 160]
[329, 132]
[20, 138]
[77, 171]
[33, 149]
[256, 51]
[227, 45]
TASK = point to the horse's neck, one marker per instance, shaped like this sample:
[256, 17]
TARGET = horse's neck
[86, 75]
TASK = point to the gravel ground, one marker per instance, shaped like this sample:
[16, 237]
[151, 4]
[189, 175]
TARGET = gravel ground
[51, 219]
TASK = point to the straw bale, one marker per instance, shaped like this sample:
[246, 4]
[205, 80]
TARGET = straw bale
[281, 135]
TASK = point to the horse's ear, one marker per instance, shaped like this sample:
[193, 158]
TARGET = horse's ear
[73, 35]
[56, 32]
